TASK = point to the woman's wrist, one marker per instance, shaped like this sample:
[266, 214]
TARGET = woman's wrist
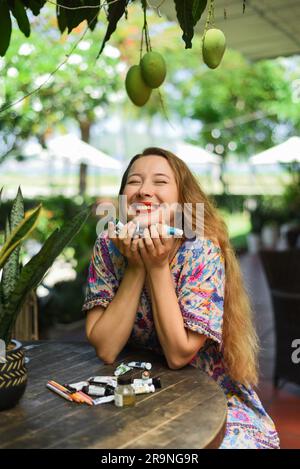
[158, 270]
[136, 270]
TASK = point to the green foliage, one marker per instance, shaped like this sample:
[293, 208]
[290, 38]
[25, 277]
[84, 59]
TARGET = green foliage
[71, 18]
[115, 11]
[90, 85]
[19, 12]
[244, 102]
[70, 14]
[5, 27]
[19, 280]
[275, 210]
[20, 231]
[188, 14]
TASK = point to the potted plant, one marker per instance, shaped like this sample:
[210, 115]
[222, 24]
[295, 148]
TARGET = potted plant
[17, 281]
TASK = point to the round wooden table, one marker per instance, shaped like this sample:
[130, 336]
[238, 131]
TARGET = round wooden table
[189, 411]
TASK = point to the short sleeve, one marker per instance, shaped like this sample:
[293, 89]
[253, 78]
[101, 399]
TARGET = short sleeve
[201, 293]
[101, 283]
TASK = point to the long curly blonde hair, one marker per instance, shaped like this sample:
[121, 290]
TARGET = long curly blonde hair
[240, 341]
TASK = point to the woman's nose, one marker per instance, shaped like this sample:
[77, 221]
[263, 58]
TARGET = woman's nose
[146, 189]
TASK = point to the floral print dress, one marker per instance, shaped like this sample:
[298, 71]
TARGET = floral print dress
[199, 276]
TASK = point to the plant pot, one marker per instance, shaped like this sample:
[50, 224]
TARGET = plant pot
[13, 377]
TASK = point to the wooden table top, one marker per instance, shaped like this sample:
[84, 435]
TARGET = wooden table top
[188, 412]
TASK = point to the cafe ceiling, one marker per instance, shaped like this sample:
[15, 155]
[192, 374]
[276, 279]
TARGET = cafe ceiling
[267, 29]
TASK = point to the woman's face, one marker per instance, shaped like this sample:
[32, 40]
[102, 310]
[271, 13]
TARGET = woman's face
[151, 190]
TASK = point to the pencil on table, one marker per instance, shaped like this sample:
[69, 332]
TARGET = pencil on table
[78, 397]
[86, 398]
[59, 392]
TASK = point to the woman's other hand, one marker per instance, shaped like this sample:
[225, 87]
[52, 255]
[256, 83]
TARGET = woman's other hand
[127, 244]
[155, 247]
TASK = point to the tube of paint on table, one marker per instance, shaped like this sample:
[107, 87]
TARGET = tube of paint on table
[145, 389]
[103, 380]
[151, 381]
[99, 391]
[142, 365]
[122, 369]
[103, 400]
[76, 386]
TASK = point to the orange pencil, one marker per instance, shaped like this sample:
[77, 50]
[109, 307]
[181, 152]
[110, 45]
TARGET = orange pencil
[73, 395]
[78, 397]
[86, 398]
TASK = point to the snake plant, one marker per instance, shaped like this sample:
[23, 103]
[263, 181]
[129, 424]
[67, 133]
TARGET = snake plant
[18, 280]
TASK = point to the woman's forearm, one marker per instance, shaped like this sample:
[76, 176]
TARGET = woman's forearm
[166, 314]
[111, 332]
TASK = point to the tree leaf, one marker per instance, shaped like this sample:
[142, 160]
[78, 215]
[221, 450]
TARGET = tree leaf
[35, 5]
[19, 12]
[5, 27]
[198, 8]
[61, 18]
[76, 16]
[115, 11]
[184, 11]
[92, 14]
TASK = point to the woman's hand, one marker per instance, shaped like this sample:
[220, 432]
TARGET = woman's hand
[155, 247]
[126, 244]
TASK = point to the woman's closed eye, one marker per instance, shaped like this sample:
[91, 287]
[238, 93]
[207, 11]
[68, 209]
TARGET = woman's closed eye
[155, 182]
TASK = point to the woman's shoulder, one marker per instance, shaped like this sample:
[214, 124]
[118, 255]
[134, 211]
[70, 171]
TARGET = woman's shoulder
[202, 243]
[104, 246]
[201, 250]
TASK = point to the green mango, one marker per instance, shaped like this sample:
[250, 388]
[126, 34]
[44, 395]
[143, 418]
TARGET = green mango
[213, 47]
[19, 12]
[154, 69]
[5, 27]
[136, 88]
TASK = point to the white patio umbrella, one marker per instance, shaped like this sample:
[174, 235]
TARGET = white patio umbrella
[77, 151]
[195, 156]
[287, 152]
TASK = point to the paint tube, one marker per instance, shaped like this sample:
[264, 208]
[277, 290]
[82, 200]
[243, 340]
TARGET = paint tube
[145, 389]
[99, 391]
[142, 365]
[76, 386]
[151, 381]
[122, 369]
[103, 380]
[171, 230]
[103, 400]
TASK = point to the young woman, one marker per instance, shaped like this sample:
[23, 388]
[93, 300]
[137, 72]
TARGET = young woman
[183, 298]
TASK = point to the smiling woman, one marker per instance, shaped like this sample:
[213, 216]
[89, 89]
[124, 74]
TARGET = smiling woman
[181, 297]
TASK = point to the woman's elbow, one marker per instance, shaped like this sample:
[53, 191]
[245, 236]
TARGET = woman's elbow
[175, 364]
[106, 358]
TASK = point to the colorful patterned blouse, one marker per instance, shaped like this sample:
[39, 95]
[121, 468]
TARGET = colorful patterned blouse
[199, 276]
